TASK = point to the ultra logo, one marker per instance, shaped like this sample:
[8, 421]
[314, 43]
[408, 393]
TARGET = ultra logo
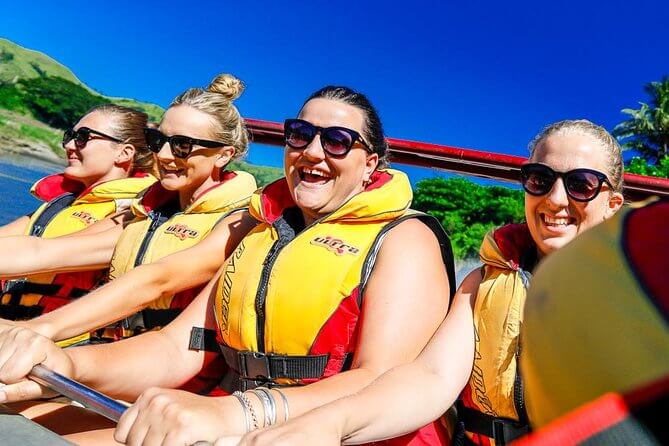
[335, 245]
[85, 217]
[182, 231]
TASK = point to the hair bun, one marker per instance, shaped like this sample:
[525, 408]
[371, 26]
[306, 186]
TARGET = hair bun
[226, 85]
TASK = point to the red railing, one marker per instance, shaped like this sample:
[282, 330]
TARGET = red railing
[466, 161]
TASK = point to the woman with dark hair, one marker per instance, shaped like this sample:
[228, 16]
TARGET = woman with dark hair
[337, 269]
[573, 181]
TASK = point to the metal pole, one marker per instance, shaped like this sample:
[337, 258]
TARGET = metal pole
[95, 401]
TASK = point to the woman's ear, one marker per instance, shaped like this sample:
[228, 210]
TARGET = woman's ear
[126, 155]
[371, 163]
[614, 203]
[224, 157]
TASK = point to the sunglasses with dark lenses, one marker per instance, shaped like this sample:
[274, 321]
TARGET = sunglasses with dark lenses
[82, 135]
[181, 146]
[580, 184]
[336, 141]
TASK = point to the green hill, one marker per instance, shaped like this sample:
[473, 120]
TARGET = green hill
[40, 97]
[18, 63]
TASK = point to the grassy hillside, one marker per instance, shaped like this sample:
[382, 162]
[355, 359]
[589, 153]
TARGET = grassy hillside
[18, 63]
[40, 97]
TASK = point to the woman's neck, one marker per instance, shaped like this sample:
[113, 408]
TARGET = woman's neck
[186, 197]
[114, 174]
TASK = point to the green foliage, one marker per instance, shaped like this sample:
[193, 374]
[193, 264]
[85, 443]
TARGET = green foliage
[57, 101]
[647, 129]
[11, 98]
[467, 211]
[6, 56]
[263, 175]
[641, 166]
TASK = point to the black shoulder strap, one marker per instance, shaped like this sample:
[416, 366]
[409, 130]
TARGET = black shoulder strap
[444, 245]
[50, 211]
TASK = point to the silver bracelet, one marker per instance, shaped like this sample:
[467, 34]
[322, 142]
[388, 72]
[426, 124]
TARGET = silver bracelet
[249, 406]
[285, 403]
[247, 419]
[269, 405]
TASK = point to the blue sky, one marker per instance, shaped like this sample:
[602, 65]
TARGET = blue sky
[483, 74]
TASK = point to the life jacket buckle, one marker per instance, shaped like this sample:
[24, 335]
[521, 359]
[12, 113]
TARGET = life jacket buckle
[14, 286]
[254, 365]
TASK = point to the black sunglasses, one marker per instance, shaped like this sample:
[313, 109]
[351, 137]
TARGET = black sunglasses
[181, 146]
[580, 184]
[336, 141]
[82, 135]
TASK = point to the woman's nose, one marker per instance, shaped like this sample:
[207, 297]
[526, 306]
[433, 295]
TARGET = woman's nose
[558, 194]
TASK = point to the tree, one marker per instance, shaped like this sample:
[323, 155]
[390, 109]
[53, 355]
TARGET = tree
[467, 211]
[647, 129]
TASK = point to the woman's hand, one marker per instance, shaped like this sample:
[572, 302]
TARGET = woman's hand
[20, 350]
[175, 417]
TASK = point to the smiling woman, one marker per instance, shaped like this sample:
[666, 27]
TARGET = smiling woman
[108, 164]
[195, 194]
[572, 183]
[306, 305]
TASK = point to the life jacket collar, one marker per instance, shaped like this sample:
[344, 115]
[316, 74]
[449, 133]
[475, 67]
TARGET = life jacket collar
[220, 197]
[386, 197]
[506, 247]
[56, 185]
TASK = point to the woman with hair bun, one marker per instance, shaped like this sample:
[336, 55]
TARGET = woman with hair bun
[108, 164]
[200, 133]
[338, 282]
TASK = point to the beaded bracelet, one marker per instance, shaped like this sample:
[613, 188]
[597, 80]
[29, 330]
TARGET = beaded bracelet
[285, 403]
[247, 419]
[249, 406]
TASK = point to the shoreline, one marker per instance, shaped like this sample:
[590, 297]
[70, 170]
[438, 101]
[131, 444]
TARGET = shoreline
[31, 160]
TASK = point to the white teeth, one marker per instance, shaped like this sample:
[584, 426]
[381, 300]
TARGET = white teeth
[556, 220]
[314, 172]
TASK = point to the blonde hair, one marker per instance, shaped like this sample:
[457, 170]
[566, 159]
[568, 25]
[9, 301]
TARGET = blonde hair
[216, 101]
[599, 134]
[128, 125]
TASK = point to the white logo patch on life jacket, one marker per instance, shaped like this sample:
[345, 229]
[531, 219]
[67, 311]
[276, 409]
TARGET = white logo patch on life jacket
[85, 217]
[335, 245]
[181, 231]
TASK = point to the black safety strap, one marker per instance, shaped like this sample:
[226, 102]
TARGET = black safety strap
[502, 430]
[156, 318]
[22, 286]
[50, 211]
[203, 339]
[14, 310]
[268, 367]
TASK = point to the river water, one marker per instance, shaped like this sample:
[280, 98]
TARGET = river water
[17, 175]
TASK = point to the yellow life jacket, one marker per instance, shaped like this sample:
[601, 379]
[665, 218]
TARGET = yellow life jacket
[296, 297]
[161, 229]
[597, 316]
[68, 208]
[492, 406]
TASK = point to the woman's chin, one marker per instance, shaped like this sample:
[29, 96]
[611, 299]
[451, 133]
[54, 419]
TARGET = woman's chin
[74, 173]
[171, 183]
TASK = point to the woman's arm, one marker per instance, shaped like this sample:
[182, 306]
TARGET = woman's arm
[17, 227]
[405, 301]
[401, 400]
[31, 255]
[122, 369]
[90, 248]
[144, 284]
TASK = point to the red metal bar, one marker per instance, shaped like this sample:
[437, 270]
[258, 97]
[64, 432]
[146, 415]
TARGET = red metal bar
[466, 161]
